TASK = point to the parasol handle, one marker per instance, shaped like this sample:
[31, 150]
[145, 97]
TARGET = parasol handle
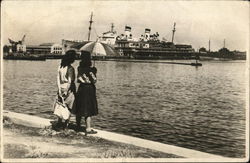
[94, 59]
[95, 54]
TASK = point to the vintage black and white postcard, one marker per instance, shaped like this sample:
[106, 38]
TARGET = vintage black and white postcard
[124, 81]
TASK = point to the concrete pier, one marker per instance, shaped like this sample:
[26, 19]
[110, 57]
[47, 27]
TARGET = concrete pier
[33, 121]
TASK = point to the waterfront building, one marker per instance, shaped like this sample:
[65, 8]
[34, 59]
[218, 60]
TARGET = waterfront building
[21, 48]
[237, 52]
[44, 48]
[240, 54]
[56, 49]
[38, 49]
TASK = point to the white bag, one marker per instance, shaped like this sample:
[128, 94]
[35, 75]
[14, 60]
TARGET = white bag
[61, 110]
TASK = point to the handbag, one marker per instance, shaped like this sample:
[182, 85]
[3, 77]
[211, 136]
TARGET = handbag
[70, 100]
[61, 110]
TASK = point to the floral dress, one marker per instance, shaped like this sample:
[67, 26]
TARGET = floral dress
[86, 102]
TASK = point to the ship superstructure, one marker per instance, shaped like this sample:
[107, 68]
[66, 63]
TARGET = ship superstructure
[109, 37]
[147, 46]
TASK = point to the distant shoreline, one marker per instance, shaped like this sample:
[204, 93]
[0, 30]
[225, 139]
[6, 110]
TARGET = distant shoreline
[117, 58]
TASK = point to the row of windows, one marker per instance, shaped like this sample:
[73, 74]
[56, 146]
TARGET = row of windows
[57, 52]
[134, 45]
[57, 48]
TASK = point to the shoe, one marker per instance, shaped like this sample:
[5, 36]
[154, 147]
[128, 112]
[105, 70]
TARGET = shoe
[65, 125]
[91, 132]
[57, 127]
[79, 129]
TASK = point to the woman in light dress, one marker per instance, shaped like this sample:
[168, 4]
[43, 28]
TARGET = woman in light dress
[66, 85]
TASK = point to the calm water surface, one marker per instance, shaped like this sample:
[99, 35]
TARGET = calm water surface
[199, 108]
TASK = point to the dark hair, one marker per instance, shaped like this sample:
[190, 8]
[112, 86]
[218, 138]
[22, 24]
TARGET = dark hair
[85, 59]
[68, 58]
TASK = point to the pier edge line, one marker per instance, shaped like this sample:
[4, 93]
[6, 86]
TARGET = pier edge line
[37, 122]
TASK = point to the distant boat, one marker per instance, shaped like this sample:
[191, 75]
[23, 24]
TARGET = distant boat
[196, 64]
[197, 57]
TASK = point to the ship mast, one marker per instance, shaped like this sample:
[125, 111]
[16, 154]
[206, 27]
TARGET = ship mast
[90, 23]
[112, 27]
[224, 43]
[173, 33]
[209, 45]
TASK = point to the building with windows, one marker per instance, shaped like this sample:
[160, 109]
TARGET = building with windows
[45, 48]
[38, 49]
[21, 48]
[56, 49]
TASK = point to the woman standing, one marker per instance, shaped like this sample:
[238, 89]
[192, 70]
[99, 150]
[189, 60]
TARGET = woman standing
[66, 84]
[86, 103]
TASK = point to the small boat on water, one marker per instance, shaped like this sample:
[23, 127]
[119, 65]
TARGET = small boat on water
[196, 64]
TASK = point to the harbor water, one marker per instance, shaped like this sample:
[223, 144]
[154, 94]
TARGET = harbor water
[201, 108]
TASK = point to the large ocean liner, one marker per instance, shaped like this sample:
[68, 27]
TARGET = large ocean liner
[148, 46]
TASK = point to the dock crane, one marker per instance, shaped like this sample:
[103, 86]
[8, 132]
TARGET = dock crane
[15, 43]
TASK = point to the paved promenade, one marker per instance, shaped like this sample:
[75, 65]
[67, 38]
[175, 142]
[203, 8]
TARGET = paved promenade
[193, 155]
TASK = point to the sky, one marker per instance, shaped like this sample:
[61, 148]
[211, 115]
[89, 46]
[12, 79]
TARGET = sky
[196, 21]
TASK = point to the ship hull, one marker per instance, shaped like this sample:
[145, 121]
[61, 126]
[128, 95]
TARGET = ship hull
[155, 54]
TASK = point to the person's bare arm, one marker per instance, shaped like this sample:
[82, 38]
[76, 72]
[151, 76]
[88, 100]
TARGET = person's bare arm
[58, 84]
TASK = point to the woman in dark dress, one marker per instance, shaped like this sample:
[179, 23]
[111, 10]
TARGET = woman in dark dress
[86, 103]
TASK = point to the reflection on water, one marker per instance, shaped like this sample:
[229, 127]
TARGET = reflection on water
[200, 108]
